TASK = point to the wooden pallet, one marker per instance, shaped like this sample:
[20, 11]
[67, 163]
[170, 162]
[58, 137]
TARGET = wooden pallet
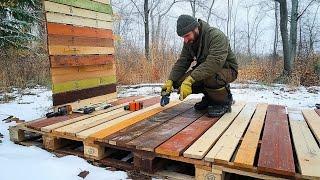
[254, 140]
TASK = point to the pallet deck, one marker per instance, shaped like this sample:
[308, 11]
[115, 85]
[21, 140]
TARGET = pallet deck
[257, 140]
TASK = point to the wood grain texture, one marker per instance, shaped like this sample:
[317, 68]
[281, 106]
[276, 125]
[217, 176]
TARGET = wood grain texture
[103, 1]
[225, 147]
[81, 69]
[152, 139]
[78, 50]
[69, 30]
[276, 154]
[73, 11]
[87, 4]
[177, 144]
[248, 148]
[313, 120]
[49, 121]
[81, 60]
[306, 147]
[82, 84]
[72, 96]
[318, 111]
[125, 135]
[200, 147]
[56, 40]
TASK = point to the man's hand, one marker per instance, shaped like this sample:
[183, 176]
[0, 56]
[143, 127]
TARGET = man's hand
[167, 87]
[185, 89]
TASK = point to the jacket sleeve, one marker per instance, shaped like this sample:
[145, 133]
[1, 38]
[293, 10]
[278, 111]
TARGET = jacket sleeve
[218, 52]
[182, 64]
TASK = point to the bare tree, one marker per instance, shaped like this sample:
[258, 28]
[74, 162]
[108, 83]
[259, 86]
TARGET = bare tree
[276, 36]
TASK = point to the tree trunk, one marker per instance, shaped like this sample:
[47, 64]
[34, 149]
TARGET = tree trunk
[293, 31]
[275, 42]
[146, 29]
[193, 7]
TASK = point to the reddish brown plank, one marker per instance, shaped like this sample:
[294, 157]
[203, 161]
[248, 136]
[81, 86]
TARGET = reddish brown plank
[125, 100]
[48, 121]
[276, 154]
[61, 29]
[72, 96]
[80, 60]
[177, 144]
[152, 139]
[68, 40]
[318, 111]
[125, 135]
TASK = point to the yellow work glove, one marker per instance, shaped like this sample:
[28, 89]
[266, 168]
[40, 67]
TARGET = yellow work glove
[167, 87]
[185, 89]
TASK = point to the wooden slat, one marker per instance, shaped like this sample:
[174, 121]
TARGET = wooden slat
[106, 129]
[177, 144]
[54, 40]
[248, 148]
[276, 154]
[125, 135]
[306, 147]
[115, 104]
[152, 139]
[87, 4]
[78, 50]
[84, 124]
[200, 147]
[80, 60]
[56, 79]
[72, 96]
[83, 84]
[81, 69]
[78, 21]
[223, 150]
[69, 30]
[103, 1]
[73, 11]
[313, 120]
[317, 111]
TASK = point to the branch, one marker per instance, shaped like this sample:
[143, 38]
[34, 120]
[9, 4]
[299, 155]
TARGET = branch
[305, 9]
[134, 3]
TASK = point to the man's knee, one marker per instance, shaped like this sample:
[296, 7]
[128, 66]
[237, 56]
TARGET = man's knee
[221, 79]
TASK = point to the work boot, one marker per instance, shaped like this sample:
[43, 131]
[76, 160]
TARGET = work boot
[218, 110]
[203, 104]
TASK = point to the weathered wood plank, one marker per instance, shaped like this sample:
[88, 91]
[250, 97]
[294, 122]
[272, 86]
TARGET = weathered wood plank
[83, 84]
[276, 154]
[78, 50]
[306, 147]
[73, 11]
[152, 139]
[313, 120]
[223, 150]
[78, 21]
[200, 147]
[73, 96]
[81, 69]
[80, 60]
[318, 111]
[125, 135]
[87, 4]
[248, 148]
[56, 40]
[69, 30]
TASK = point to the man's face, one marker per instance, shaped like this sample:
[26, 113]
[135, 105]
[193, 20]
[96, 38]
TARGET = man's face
[191, 36]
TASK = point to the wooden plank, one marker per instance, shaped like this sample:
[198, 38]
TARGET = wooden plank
[276, 154]
[81, 69]
[78, 50]
[152, 139]
[115, 104]
[103, 1]
[313, 120]
[306, 147]
[54, 40]
[87, 4]
[87, 123]
[80, 60]
[69, 30]
[125, 135]
[223, 150]
[83, 84]
[73, 11]
[317, 111]
[177, 144]
[106, 129]
[248, 148]
[78, 21]
[200, 147]
[73, 96]
[56, 79]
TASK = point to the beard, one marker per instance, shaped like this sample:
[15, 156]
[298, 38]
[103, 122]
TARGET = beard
[195, 37]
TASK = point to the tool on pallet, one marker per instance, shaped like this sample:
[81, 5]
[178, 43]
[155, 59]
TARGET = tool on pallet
[134, 106]
[63, 110]
[165, 97]
[91, 109]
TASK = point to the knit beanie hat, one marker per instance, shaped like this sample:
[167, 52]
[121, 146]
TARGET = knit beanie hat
[185, 24]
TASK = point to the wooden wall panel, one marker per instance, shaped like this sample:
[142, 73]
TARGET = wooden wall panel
[87, 4]
[54, 40]
[75, 50]
[80, 60]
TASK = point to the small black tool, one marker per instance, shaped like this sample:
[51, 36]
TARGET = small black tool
[165, 98]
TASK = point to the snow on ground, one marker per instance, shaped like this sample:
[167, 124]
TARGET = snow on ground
[19, 162]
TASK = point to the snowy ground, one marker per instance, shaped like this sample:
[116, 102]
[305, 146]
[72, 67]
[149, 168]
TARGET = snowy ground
[35, 163]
